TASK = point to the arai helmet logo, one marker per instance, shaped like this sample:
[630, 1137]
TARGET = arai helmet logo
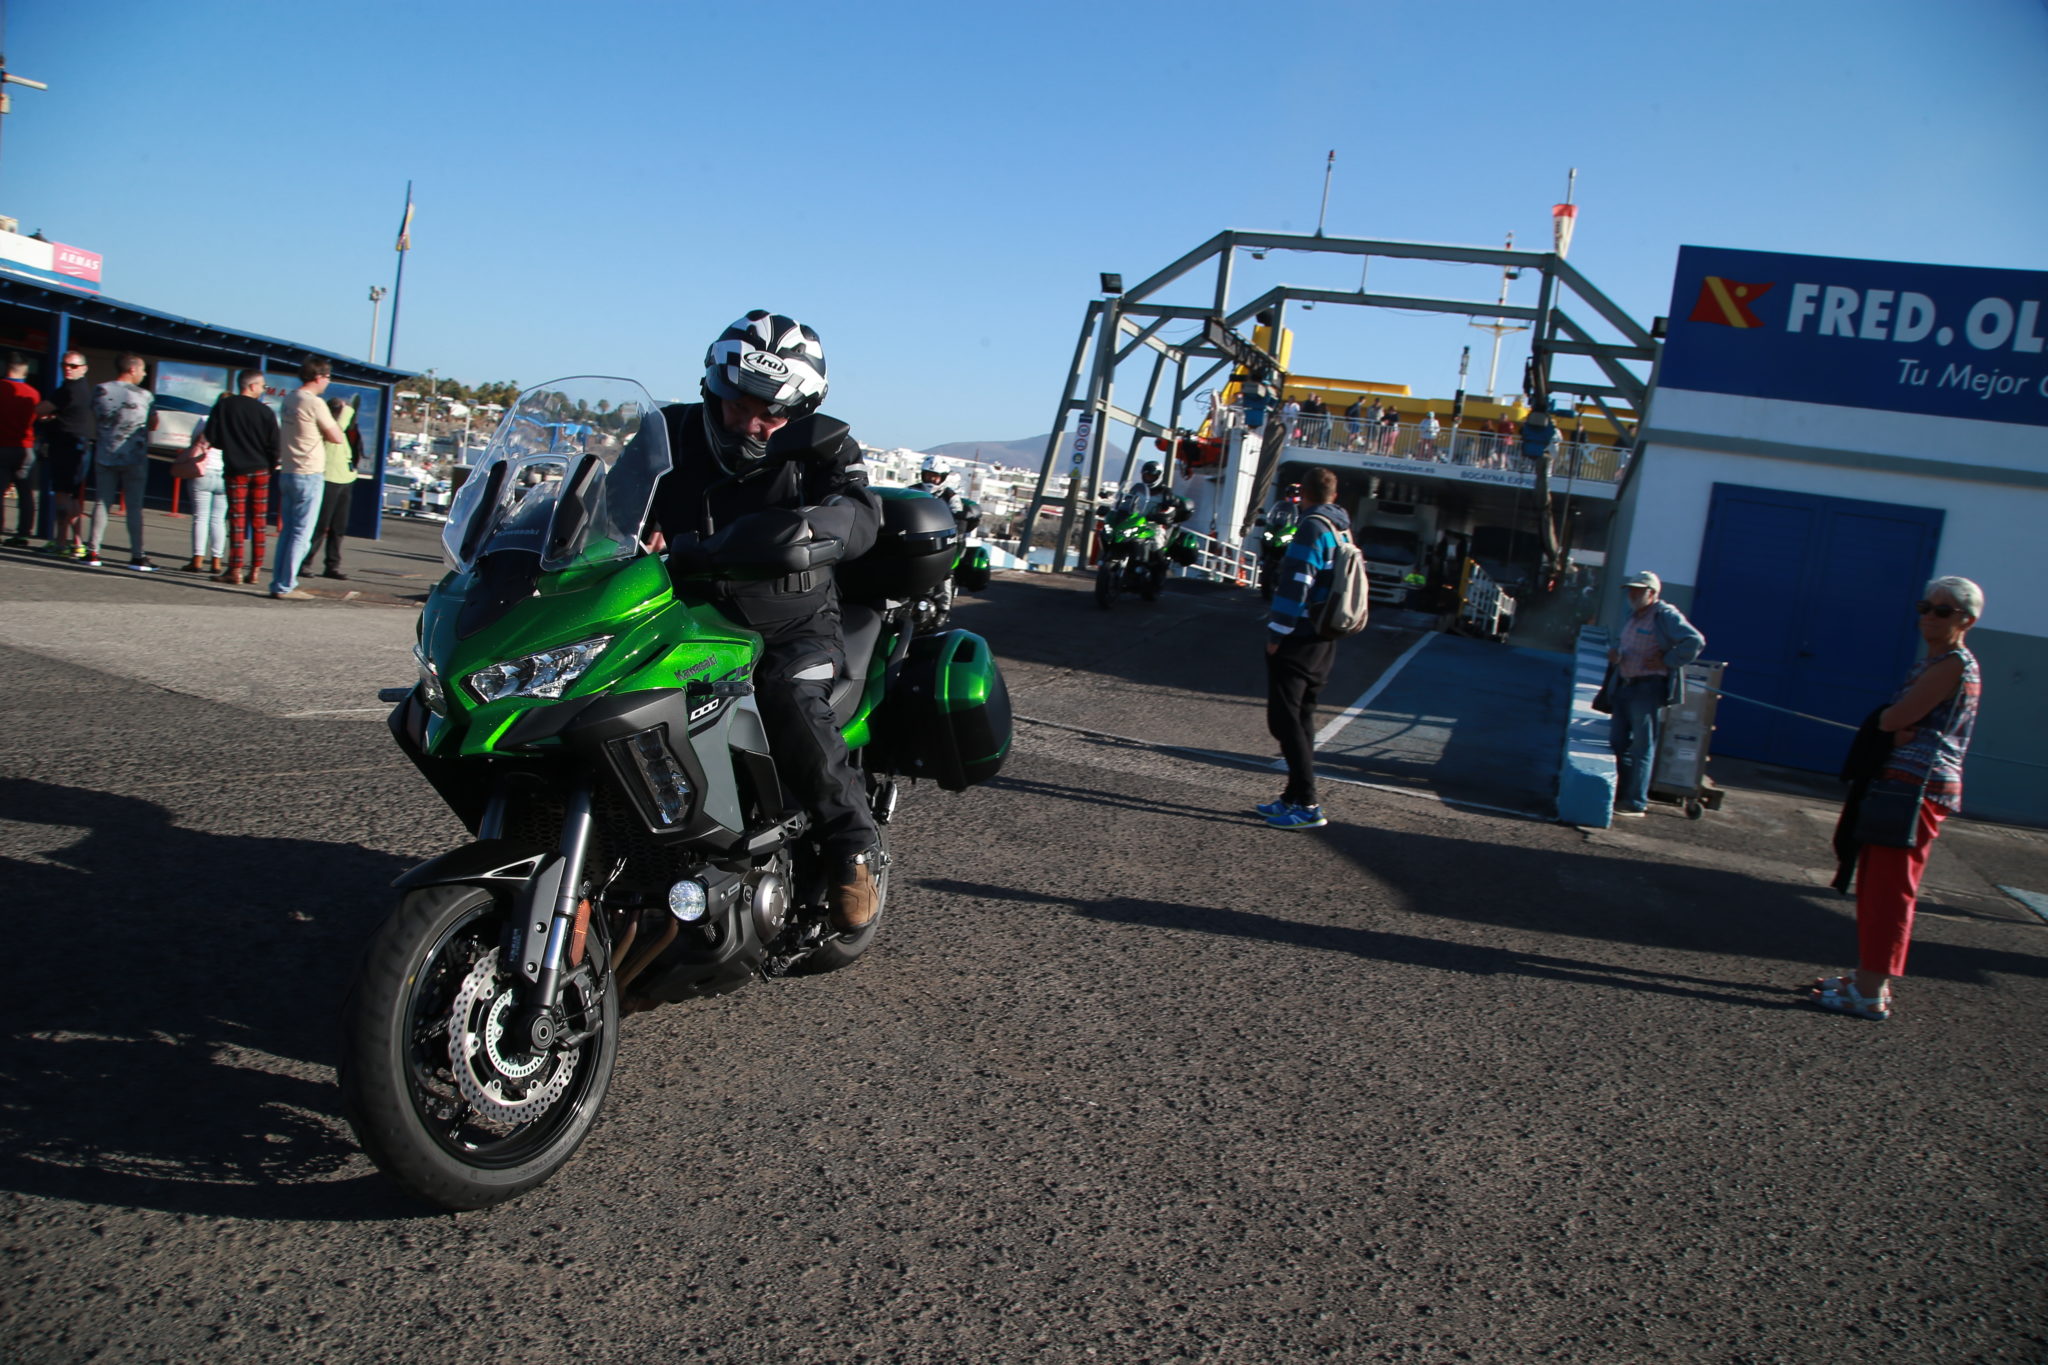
[760, 362]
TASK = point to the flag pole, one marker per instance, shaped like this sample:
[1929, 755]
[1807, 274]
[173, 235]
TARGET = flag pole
[398, 285]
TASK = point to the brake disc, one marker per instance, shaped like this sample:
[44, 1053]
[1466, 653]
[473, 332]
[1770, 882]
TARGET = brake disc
[488, 1073]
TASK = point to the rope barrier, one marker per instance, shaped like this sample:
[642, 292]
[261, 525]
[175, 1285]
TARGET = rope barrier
[1973, 758]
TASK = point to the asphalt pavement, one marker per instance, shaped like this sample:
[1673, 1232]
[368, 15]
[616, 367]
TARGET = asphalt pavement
[1127, 1076]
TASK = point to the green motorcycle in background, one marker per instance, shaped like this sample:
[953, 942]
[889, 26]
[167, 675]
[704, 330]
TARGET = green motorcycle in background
[1133, 557]
[592, 723]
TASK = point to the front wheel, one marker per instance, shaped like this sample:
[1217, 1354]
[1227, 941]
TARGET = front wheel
[1105, 584]
[439, 1092]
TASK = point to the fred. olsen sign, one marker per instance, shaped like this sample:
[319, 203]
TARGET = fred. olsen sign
[1945, 340]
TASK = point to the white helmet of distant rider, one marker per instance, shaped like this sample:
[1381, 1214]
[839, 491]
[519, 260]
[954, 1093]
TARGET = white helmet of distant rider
[935, 473]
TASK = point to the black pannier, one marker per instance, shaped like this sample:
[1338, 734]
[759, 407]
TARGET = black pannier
[913, 553]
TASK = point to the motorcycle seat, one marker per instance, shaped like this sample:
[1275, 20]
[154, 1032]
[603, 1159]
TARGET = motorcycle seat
[861, 628]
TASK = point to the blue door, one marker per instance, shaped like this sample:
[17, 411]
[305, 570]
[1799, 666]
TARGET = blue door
[1810, 601]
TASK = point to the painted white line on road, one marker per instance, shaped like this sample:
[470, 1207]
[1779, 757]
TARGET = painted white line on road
[2033, 900]
[1353, 711]
[340, 711]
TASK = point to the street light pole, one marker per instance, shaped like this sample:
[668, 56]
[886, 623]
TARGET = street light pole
[9, 78]
[377, 292]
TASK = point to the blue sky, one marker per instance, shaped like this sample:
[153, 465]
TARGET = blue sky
[601, 187]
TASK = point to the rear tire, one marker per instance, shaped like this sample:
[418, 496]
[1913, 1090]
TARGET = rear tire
[427, 1127]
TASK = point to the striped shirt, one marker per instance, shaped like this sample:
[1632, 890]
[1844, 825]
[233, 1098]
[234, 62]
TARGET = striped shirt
[1305, 568]
[1941, 738]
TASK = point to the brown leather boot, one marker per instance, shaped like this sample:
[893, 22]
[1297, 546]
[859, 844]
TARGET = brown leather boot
[228, 576]
[854, 896]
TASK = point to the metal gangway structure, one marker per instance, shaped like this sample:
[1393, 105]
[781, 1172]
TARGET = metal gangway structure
[1571, 318]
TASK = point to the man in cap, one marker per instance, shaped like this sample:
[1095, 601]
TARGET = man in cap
[1648, 662]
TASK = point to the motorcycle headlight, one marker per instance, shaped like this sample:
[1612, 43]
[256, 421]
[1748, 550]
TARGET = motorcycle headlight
[546, 674]
[431, 690]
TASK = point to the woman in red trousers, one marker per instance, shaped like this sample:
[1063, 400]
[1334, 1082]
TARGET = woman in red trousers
[1930, 721]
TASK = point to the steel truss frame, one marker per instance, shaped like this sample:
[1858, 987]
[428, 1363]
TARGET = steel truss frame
[1120, 325]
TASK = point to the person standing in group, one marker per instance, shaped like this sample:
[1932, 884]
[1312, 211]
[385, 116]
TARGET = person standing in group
[69, 428]
[126, 413]
[208, 490]
[1315, 417]
[1298, 660]
[1426, 435]
[303, 432]
[244, 430]
[1290, 420]
[331, 524]
[1352, 415]
[18, 403]
[1390, 429]
[1648, 663]
[1930, 720]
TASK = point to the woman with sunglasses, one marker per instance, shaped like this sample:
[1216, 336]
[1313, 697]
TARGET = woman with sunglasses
[1930, 721]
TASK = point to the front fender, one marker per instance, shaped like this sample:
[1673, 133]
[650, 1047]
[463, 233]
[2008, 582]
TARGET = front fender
[508, 861]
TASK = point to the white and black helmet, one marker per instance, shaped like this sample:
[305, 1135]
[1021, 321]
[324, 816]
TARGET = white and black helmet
[935, 464]
[771, 357]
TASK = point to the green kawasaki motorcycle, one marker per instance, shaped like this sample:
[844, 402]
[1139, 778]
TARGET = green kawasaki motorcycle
[1137, 548]
[593, 724]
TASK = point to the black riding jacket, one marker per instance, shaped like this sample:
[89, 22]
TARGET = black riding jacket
[813, 466]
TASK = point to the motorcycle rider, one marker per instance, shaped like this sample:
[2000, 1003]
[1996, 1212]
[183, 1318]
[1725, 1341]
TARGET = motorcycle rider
[935, 476]
[1149, 498]
[1272, 525]
[757, 446]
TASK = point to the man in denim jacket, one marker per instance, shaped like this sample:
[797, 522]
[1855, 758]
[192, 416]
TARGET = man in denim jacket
[1649, 658]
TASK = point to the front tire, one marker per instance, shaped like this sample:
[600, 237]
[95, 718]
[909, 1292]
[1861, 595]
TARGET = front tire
[438, 1095]
[1105, 584]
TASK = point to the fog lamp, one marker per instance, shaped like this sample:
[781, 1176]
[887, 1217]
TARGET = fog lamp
[687, 901]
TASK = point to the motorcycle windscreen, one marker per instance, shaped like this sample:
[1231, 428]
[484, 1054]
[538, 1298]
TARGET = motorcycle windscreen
[569, 476]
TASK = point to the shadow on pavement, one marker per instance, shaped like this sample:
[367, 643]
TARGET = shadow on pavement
[174, 997]
[1594, 897]
[1379, 945]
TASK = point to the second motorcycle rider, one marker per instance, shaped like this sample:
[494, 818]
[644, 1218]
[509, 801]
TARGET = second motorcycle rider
[758, 446]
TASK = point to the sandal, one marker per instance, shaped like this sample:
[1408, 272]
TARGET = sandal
[1839, 994]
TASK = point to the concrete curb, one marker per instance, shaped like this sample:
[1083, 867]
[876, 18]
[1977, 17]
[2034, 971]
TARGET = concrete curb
[1585, 779]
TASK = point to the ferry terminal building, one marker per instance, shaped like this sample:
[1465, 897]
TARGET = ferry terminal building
[44, 313]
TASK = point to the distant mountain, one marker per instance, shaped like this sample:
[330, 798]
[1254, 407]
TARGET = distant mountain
[1025, 454]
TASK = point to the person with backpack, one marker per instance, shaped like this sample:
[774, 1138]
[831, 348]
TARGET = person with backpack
[1301, 641]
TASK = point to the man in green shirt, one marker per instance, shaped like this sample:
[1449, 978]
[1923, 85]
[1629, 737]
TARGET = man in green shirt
[330, 524]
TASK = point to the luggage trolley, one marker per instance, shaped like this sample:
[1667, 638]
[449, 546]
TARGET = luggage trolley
[1680, 776]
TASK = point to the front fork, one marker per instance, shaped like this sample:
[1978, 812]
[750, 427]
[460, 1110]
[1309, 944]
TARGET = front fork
[538, 1023]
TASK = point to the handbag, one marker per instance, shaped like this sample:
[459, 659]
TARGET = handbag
[1888, 816]
[1603, 700]
[191, 464]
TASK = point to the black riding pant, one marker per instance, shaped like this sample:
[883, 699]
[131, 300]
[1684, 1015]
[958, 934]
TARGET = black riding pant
[1295, 674]
[793, 687]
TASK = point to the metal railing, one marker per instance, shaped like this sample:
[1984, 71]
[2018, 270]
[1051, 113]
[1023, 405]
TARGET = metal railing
[1219, 561]
[1472, 449]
